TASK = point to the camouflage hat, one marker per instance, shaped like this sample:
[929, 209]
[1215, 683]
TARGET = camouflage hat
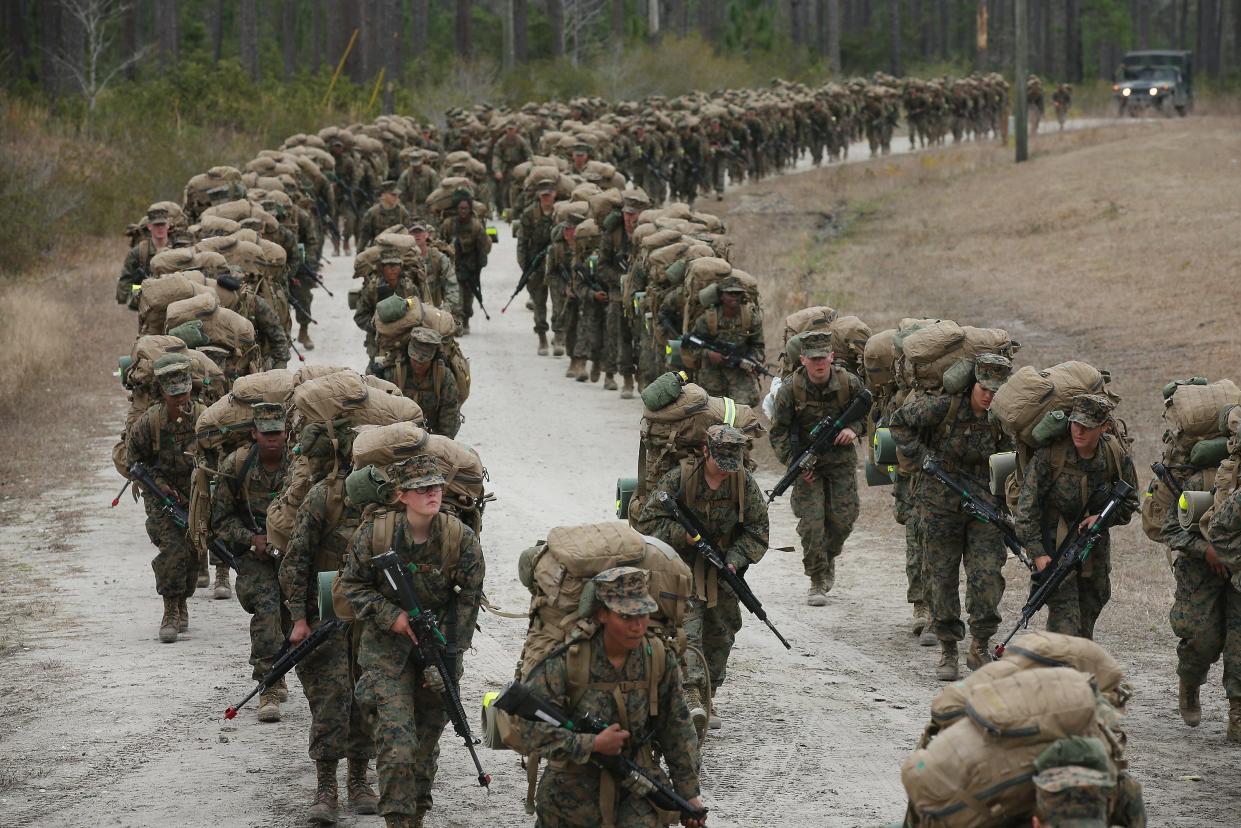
[545, 185]
[582, 146]
[725, 444]
[459, 196]
[576, 212]
[816, 344]
[992, 370]
[423, 343]
[624, 590]
[388, 186]
[220, 192]
[731, 284]
[416, 156]
[157, 215]
[635, 200]
[268, 417]
[1091, 410]
[390, 255]
[419, 226]
[420, 470]
[172, 372]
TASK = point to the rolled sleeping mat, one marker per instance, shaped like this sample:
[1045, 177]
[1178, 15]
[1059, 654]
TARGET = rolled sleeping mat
[354, 293]
[122, 364]
[325, 595]
[1191, 507]
[672, 352]
[625, 487]
[1003, 465]
[884, 447]
[880, 475]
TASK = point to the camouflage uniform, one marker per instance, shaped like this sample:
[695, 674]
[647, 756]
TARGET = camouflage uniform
[744, 331]
[442, 289]
[1046, 506]
[135, 270]
[534, 235]
[409, 716]
[588, 278]
[378, 219]
[472, 244]
[436, 391]
[413, 187]
[268, 330]
[735, 518]
[508, 152]
[614, 252]
[575, 793]
[318, 543]
[243, 492]
[374, 289]
[827, 508]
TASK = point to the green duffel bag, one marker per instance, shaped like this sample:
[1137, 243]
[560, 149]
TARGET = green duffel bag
[1053, 426]
[1207, 454]
[663, 391]
[122, 364]
[625, 487]
[885, 447]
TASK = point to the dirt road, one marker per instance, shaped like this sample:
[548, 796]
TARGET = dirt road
[106, 726]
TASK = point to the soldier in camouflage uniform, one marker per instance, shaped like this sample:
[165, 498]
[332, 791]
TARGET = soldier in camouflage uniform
[1068, 479]
[509, 151]
[534, 239]
[427, 379]
[717, 490]
[593, 289]
[825, 497]
[416, 183]
[387, 213]
[440, 286]
[957, 431]
[735, 321]
[137, 267]
[558, 270]
[325, 522]
[1074, 782]
[621, 666]
[391, 279]
[345, 176]
[250, 478]
[161, 439]
[615, 255]
[405, 698]
[469, 239]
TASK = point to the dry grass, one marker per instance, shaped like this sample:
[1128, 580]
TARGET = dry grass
[1116, 246]
[60, 334]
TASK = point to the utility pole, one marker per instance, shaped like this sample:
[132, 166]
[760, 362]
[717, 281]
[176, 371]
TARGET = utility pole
[1021, 71]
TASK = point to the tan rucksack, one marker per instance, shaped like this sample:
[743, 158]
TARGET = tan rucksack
[816, 318]
[1192, 414]
[392, 335]
[879, 362]
[158, 294]
[1029, 395]
[226, 423]
[931, 350]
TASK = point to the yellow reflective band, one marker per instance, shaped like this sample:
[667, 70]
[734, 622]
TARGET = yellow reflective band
[730, 411]
[618, 506]
[667, 350]
[696, 538]
[684, 376]
[489, 697]
[1184, 501]
[135, 288]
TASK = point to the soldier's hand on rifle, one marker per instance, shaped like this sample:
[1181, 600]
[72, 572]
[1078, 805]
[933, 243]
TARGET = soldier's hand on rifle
[1217, 566]
[499, 175]
[259, 542]
[401, 627]
[808, 476]
[714, 358]
[610, 741]
[695, 822]
[1086, 523]
[301, 631]
[432, 680]
[1041, 562]
[601, 296]
[846, 437]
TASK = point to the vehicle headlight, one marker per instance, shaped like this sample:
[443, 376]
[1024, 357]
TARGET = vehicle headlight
[1154, 91]
[1126, 92]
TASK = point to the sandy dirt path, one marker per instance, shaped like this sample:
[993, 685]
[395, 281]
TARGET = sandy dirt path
[106, 726]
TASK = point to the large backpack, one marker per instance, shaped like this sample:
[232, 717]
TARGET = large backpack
[928, 352]
[816, 318]
[396, 317]
[158, 294]
[226, 423]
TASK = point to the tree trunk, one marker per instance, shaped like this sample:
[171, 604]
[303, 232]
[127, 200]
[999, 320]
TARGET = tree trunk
[248, 29]
[942, 15]
[288, 36]
[896, 65]
[354, 18]
[166, 33]
[521, 32]
[797, 34]
[317, 46]
[678, 19]
[1073, 58]
[392, 56]
[833, 36]
[980, 34]
[709, 18]
[215, 28]
[1202, 49]
[463, 36]
[420, 18]
[652, 17]
[129, 40]
[14, 23]
[618, 23]
[72, 51]
[555, 20]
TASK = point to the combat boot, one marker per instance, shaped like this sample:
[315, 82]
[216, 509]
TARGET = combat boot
[168, 624]
[627, 391]
[280, 690]
[420, 817]
[323, 811]
[595, 370]
[928, 638]
[362, 796]
[1187, 703]
[221, 588]
[1234, 720]
[269, 707]
[978, 654]
[303, 336]
[609, 382]
[948, 668]
[204, 577]
[558, 344]
[582, 373]
[183, 615]
[697, 711]
[542, 344]
[921, 618]
[714, 722]
[817, 594]
[571, 371]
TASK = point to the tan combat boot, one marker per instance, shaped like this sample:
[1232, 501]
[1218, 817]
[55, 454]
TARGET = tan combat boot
[323, 811]
[816, 596]
[362, 796]
[303, 336]
[420, 818]
[697, 711]
[928, 638]
[609, 382]
[595, 370]
[978, 654]
[1234, 720]
[204, 577]
[922, 617]
[949, 668]
[280, 690]
[269, 707]
[542, 344]
[168, 624]
[1187, 703]
[558, 344]
[583, 374]
[627, 391]
[183, 615]
[571, 371]
[221, 588]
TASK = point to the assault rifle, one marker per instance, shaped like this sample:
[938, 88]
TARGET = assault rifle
[1075, 549]
[476, 284]
[980, 510]
[306, 270]
[525, 276]
[517, 700]
[733, 357]
[652, 166]
[822, 437]
[431, 648]
[286, 659]
[1168, 479]
[297, 305]
[589, 275]
[713, 557]
[146, 481]
[327, 220]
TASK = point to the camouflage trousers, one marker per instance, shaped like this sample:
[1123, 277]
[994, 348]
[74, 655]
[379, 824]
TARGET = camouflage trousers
[537, 288]
[564, 309]
[468, 280]
[826, 511]
[592, 340]
[950, 540]
[652, 361]
[915, 559]
[1206, 617]
[711, 631]
[619, 337]
[720, 381]
[338, 729]
[302, 293]
[1074, 608]
[176, 563]
[408, 720]
[258, 592]
[568, 797]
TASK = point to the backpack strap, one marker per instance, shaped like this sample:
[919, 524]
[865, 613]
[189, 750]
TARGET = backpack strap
[713, 321]
[157, 428]
[384, 531]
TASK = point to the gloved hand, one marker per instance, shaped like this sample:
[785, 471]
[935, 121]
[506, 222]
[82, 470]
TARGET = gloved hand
[432, 680]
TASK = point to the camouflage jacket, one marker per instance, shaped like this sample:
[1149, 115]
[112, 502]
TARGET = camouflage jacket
[135, 270]
[471, 242]
[442, 288]
[414, 186]
[557, 266]
[570, 791]
[1048, 499]
[743, 331]
[534, 234]
[1225, 531]
[615, 250]
[436, 393]
[736, 521]
[453, 595]
[508, 153]
[374, 289]
[243, 491]
[268, 330]
[317, 544]
[164, 444]
[801, 404]
[379, 219]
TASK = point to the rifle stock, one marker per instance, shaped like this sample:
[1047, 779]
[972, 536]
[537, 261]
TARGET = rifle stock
[732, 357]
[286, 659]
[822, 437]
